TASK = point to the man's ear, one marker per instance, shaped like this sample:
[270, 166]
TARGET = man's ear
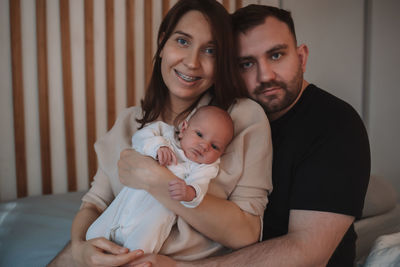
[183, 128]
[302, 52]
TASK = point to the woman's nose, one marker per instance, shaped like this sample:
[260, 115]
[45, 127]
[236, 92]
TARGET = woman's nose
[192, 59]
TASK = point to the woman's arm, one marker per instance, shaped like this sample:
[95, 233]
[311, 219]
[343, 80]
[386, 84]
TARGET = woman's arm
[98, 251]
[214, 217]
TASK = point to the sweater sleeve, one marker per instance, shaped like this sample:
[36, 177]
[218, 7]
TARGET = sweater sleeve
[149, 139]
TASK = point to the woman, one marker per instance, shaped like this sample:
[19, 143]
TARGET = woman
[194, 66]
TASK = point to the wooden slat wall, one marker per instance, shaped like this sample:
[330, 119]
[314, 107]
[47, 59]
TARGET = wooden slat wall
[41, 32]
[18, 97]
[110, 63]
[130, 53]
[138, 46]
[90, 92]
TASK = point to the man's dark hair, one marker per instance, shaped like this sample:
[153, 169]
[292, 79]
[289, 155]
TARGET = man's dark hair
[253, 15]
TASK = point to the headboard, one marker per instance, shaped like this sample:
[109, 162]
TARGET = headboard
[72, 66]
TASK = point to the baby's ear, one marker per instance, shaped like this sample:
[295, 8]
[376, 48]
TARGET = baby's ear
[183, 128]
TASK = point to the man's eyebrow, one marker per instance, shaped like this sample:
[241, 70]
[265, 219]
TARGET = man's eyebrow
[246, 58]
[277, 48]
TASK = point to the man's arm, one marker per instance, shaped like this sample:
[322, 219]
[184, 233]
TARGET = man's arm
[311, 240]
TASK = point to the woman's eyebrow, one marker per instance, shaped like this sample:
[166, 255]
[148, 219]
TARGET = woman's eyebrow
[183, 33]
[212, 42]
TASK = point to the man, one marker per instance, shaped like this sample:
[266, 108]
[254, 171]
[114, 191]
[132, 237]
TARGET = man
[321, 162]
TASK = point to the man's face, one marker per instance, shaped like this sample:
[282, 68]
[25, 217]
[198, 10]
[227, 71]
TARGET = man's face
[272, 66]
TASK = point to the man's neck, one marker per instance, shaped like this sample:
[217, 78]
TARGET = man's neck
[276, 115]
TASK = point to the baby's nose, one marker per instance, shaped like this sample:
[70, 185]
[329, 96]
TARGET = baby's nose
[205, 146]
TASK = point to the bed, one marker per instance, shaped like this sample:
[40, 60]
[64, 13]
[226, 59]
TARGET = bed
[34, 229]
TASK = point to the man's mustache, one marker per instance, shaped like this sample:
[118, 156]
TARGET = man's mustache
[264, 86]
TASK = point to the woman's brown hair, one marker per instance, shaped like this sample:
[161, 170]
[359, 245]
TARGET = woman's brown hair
[228, 84]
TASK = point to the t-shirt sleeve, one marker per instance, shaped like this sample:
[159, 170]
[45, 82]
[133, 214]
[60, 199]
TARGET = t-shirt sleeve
[333, 175]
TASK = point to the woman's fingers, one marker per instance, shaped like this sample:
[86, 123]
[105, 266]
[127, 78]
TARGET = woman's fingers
[107, 253]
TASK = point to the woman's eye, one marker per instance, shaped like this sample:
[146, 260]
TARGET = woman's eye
[182, 41]
[199, 134]
[210, 50]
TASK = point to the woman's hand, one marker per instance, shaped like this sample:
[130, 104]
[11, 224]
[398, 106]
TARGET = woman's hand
[102, 252]
[152, 260]
[138, 171]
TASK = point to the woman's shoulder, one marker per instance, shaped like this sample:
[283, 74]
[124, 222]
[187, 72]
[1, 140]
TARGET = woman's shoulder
[246, 109]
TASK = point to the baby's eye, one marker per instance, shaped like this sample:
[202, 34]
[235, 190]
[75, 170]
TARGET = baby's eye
[199, 134]
[215, 147]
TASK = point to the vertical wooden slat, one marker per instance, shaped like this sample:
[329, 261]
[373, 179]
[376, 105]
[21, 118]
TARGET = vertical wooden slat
[165, 7]
[18, 97]
[130, 53]
[41, 32]
[238, 4]
[110, 62]
[68, 98]
[226, 4]
[148, 36]
[90, 92]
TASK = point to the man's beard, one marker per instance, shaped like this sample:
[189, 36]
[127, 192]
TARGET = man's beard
[273, 104]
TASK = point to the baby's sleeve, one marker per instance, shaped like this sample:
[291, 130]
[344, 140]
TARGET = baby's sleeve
[199, 178]
[148, 140]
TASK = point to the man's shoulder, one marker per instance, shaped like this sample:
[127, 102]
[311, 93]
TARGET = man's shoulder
[329, 106]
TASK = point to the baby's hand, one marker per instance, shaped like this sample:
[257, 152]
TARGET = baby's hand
[166, 156]
[179, 190]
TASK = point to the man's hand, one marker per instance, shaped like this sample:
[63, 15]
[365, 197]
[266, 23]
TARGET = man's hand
[179, 190]
[166, 156]
[102, 252]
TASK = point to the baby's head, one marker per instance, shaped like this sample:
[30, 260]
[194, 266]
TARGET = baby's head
[206, 135]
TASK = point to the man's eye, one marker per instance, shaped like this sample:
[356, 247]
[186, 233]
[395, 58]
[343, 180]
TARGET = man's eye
[276, 56]
[182, 41]
[199, 134]
[246, 65]
[215, 147]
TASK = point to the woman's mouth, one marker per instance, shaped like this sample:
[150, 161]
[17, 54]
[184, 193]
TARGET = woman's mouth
[186, 78]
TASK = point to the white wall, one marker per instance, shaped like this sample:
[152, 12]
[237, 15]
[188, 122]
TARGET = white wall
[354, 54]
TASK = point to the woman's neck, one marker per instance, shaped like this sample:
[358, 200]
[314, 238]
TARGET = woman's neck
[173, 109]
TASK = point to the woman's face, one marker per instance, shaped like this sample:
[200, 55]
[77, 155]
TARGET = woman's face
[188, 59]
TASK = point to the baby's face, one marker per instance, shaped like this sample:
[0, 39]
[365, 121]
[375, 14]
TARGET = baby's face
[204, 139]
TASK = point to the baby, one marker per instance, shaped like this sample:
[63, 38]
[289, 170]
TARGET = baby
[138, 221]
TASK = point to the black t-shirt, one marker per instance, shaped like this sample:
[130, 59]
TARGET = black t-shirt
[321, 161]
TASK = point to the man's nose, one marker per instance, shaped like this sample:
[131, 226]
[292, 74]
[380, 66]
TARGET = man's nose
[265, 71]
